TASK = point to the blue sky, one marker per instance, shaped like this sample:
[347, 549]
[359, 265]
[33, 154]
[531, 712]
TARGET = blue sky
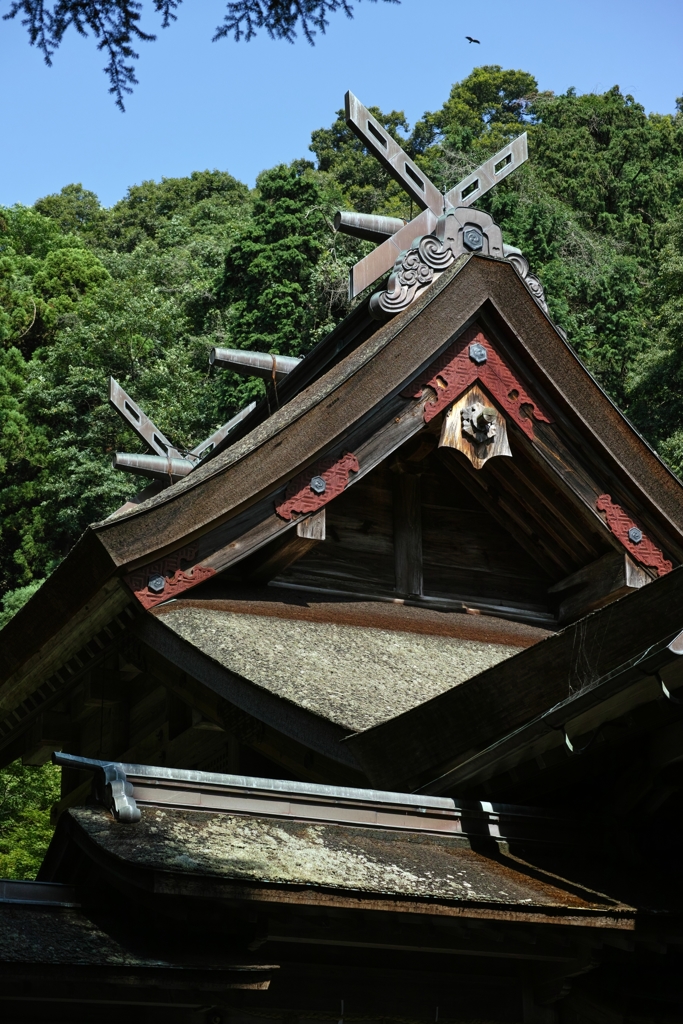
[245, 107]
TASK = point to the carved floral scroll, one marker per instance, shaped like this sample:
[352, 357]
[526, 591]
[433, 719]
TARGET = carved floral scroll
[161, 580]
[316, 486]
[632, 536]
[473, 358]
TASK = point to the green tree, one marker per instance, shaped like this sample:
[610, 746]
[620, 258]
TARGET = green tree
[26, 796]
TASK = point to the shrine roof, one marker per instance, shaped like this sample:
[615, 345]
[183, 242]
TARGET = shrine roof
[355, 676]
[25, 931]
[211, 507]
[371, 862]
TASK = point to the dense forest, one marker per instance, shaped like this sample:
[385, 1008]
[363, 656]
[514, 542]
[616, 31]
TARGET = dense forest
[144, 289]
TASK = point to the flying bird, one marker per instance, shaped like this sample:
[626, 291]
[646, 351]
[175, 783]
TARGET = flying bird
[471, 40]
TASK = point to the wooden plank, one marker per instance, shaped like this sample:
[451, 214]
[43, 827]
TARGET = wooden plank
[358, 552]
[463, 544]
[603, 581]
[542, 491]
[277, 556]
[408, 533]
[543, 514]
[509, 516]
[372, 442]
[313, 527]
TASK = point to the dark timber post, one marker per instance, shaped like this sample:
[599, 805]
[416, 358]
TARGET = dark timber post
[407, 533]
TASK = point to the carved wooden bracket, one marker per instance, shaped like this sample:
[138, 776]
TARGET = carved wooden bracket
[472, 357]
[479, 441]
[161, 580]
[316, 486]
[632, 536]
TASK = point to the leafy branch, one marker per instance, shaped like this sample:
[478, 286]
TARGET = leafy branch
[116, 26]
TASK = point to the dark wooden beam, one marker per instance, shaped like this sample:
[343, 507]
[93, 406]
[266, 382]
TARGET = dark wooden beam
[407, 533]
[275, 557]
[603, 581]
[507, 511]
[412, 749]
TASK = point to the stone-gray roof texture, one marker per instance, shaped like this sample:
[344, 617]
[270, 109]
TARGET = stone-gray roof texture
[353, 676]
[52, 935]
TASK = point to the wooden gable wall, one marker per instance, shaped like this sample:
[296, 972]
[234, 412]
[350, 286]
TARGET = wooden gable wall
[466, 555]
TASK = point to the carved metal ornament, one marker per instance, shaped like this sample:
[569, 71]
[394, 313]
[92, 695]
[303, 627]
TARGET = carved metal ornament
[429, 199]
[315, 487]
[167, 577]
[634, 539]
[454, 371]
[112, 788]
[459, 230]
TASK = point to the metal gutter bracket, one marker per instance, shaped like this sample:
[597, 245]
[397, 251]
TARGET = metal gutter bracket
[112, 788]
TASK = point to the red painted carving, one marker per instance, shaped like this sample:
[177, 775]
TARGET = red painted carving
[454, 371]
[300, 498]
[177, 579]
[619, 522]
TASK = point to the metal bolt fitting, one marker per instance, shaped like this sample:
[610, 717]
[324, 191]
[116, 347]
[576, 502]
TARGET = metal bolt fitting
[478, 353]
[318, 485]
[473, 238]
[635, 535]
[156, 583]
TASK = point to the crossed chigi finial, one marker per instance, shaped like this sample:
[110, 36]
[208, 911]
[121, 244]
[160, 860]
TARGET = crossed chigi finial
[394, 235]
[166, 463]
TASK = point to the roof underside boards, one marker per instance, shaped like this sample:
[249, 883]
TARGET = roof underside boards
[353, 676]
[339, 408]
[368, 862]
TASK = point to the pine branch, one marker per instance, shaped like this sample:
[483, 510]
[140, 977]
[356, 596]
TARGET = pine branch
[115, 24]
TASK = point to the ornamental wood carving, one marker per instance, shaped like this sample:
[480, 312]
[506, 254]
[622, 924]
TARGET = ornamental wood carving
[626, 530]
[479, 441]
[316, 486]
[473, 358]
[161, 580]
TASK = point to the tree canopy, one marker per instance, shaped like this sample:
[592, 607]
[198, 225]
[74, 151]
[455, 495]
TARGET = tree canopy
[115, 24]
[144, 289]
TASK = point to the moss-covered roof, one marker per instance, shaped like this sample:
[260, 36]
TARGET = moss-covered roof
[56, 935]
[353, 676]
[369, 860]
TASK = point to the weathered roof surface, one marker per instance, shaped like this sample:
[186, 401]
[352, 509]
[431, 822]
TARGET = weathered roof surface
[354, 676]
[582, 665]
[56, 935]
[372, 861]
[308, 606]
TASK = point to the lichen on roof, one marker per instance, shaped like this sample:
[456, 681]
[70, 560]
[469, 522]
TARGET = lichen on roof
[288, 852]
[353, 676]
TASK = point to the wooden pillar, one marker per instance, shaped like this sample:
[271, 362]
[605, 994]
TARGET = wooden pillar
[407, 534]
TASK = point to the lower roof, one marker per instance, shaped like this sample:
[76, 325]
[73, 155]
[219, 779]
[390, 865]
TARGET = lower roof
[184, 832]
[339, 857]
[71, 938]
